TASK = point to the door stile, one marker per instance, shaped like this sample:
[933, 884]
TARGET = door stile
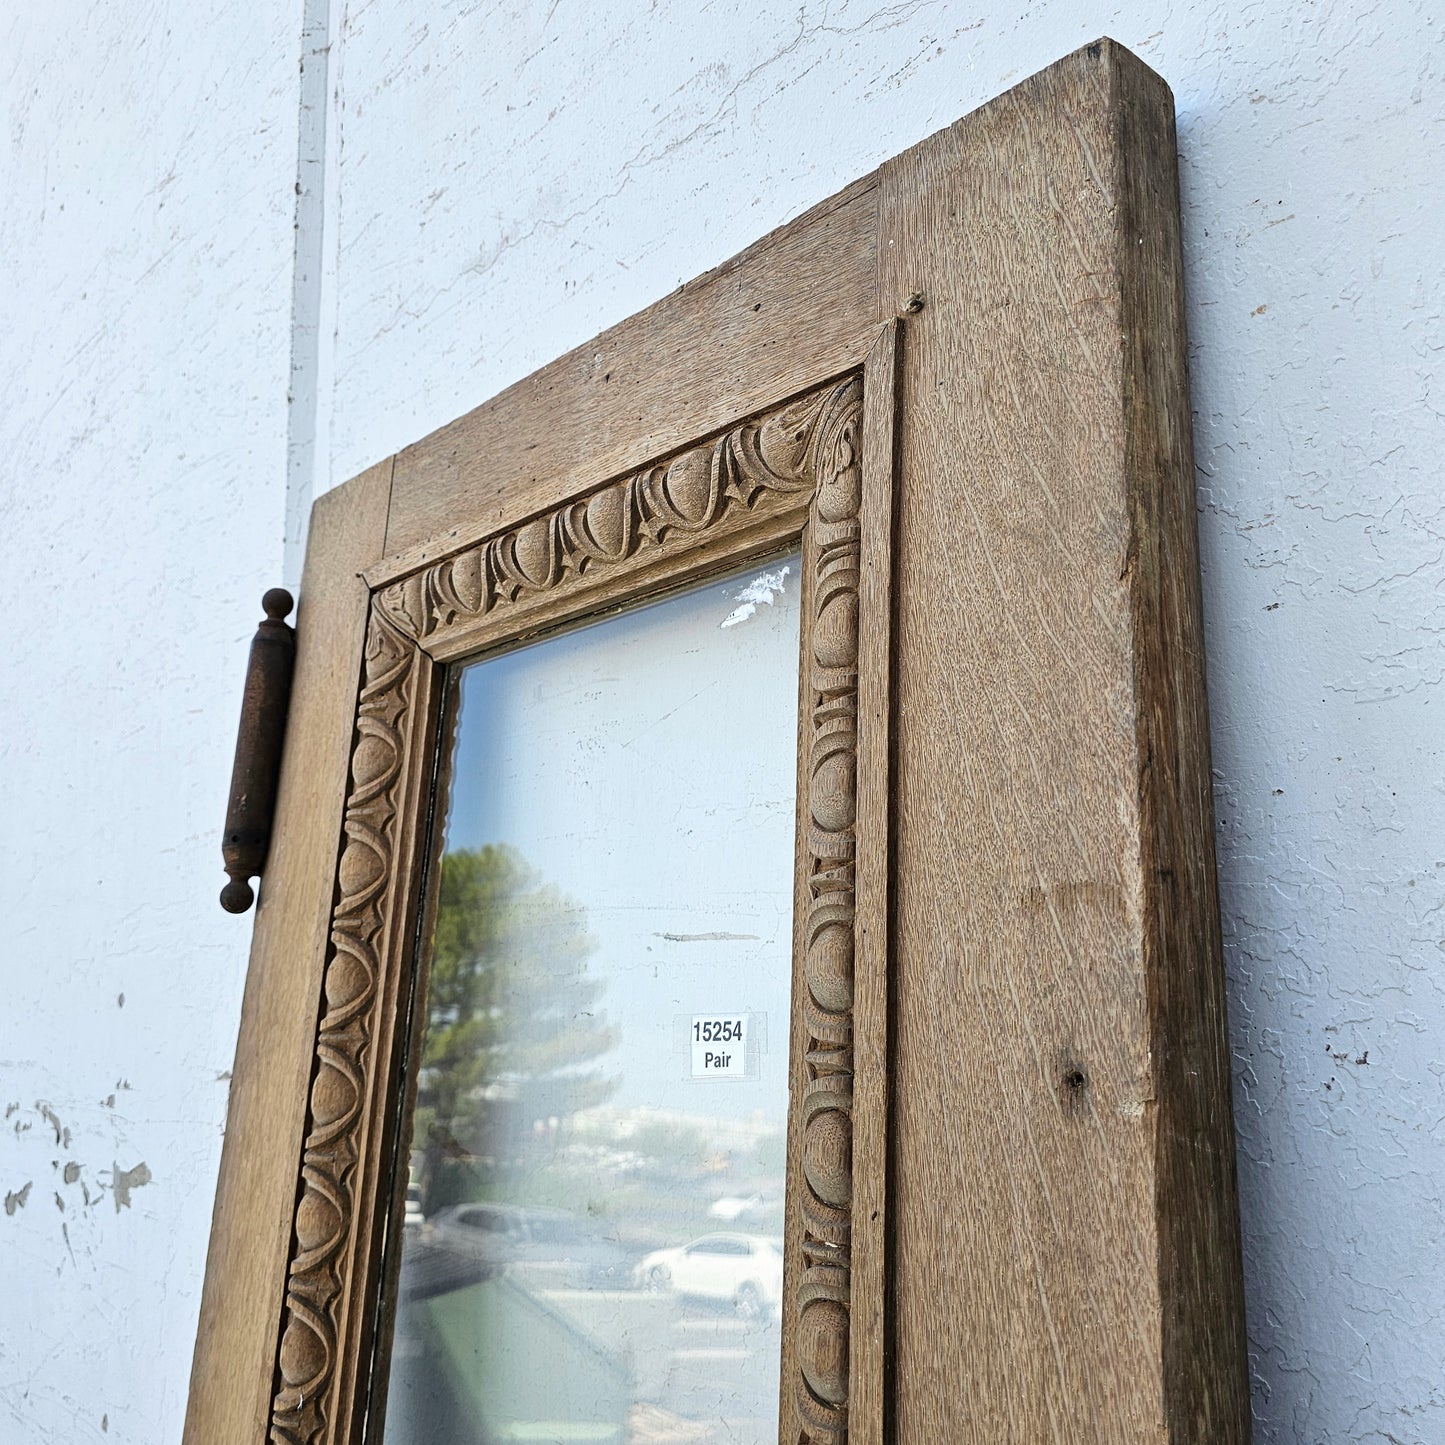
[234, 1364]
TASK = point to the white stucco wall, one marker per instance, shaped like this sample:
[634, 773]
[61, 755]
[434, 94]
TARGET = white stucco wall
[491, 188]
[146, 198]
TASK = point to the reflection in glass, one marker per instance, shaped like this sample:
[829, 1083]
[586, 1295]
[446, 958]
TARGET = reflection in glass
[592, 1239]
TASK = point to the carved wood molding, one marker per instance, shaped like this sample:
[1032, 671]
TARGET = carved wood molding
[326, 1213]
[825, 1073]
[760, 468]
[805, 454]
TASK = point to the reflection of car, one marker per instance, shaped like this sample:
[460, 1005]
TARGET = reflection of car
[539, 1246]
[744, 1268]
[412, 1217]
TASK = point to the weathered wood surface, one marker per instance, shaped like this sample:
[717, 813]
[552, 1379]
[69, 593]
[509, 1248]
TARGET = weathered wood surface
[1066, 1254]
[1200, 1275]
[869, 1335]
[721, 498]
[1044, 1232]
[256, 1193]
[790, 311]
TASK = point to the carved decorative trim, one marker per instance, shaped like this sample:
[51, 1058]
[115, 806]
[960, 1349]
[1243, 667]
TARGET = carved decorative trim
[826, 1071]
[317, 1275]
[806, 453]
[757, 469]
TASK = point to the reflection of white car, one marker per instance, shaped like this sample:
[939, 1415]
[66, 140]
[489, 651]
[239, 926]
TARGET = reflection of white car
[547, 1247]
[744, 1268]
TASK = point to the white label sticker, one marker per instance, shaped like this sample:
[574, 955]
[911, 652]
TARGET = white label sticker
[719, 1046]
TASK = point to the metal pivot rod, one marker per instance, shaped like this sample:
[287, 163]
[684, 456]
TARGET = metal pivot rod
[259, 741]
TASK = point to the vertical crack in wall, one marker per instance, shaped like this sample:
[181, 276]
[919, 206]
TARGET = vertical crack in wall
[313, 289]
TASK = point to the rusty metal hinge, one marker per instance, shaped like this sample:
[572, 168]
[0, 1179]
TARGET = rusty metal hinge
[259, 740]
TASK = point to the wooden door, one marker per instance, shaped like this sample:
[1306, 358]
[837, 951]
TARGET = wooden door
[958, 388]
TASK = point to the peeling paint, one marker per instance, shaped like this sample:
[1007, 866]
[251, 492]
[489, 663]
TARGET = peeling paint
[16, 1198]
[100, 1305]
[530, 220]
[50, 1117]
[122, 1181]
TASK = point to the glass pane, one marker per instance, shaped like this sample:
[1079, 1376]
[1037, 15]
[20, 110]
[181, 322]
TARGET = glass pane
[592, 1245]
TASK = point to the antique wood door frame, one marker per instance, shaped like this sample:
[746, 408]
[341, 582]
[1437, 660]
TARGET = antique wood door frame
[961, 385]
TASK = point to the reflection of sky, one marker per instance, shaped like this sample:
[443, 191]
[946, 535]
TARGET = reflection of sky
[646, 766]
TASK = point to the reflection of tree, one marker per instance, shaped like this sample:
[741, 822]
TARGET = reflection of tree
[512, 1020]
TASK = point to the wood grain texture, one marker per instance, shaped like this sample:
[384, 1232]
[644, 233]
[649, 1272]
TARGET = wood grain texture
[869, 1333]
[1058, 1037]
[1021, 1077]
[256, 1193]
[1200, 1273]
[791, 311]
[747, 489]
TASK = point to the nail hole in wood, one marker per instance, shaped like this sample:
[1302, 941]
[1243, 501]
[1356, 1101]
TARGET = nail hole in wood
[1073, 1086]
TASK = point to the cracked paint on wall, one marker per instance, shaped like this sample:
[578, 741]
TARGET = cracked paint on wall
[148, 171]
[124, 1180]
[621, 160]
[490, 190]
[70, 1191]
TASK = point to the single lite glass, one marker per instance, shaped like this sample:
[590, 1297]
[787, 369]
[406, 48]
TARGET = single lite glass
[592, 1245]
